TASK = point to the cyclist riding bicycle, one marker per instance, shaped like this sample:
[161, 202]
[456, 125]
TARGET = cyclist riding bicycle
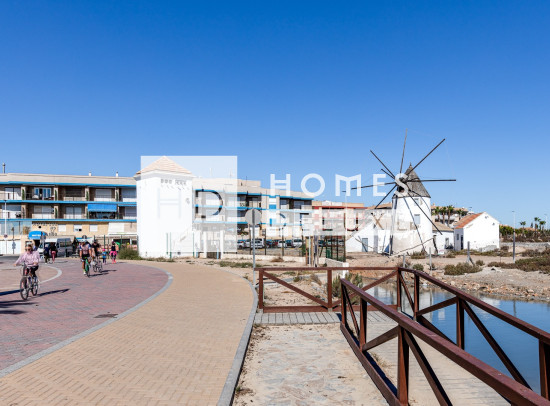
[30, 258]
[86, 252]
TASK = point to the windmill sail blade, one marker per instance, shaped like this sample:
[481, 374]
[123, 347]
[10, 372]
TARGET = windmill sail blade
[392, 175]
[384, 198]
[428, 217]
[386, 172]
[429, 153]
[430, 180]
[403, 156]
[377, 184]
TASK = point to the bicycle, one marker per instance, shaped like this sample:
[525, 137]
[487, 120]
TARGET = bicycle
[86, 266]
[97, 266]
[28, 283]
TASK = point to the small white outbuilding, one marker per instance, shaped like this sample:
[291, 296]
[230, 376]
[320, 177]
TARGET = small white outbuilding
[481, 230]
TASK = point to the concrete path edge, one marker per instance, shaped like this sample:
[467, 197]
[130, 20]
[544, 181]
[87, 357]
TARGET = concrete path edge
[228, 392]
[37, 356]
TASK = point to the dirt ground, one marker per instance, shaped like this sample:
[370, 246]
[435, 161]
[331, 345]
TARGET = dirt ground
[491, 280]
[284, 366]
[513, 283]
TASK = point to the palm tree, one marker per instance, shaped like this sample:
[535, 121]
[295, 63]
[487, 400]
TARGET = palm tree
[536, 221]
[437, 211]
[542, 223]
[522, 224]
[450, 210]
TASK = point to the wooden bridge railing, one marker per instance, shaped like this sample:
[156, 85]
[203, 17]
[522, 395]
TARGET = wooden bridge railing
[515, 390]
[322, 305]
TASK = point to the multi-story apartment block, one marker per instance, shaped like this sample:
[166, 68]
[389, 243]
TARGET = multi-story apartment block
[67, 205]
[105, 207]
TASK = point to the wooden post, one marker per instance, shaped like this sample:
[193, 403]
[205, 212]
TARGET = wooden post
[402, 368]
[459, 324]
[362, 323]
[261, 290]
[398, 290]
[544, 362]
[329, 289]
[344, 310]
[416, 295]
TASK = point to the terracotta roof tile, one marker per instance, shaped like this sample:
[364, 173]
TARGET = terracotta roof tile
[467, 220]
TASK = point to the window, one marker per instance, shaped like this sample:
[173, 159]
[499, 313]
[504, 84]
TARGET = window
[13, 193]
[41, 193]
[42, 212]
[417, 219]
[103, 195]
[73, 212]
[74, 193]
[93, 227]
[77, 228]
[62, 228]
[128, 195]
[130, 212]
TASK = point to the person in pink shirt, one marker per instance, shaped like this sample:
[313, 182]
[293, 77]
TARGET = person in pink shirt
[30, 258]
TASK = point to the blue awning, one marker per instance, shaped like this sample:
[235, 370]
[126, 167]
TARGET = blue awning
[102, 207]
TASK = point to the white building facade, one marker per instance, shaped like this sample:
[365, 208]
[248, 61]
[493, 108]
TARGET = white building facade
[481, 230]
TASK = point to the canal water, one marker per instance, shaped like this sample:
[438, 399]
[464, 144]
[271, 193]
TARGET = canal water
[520, 347]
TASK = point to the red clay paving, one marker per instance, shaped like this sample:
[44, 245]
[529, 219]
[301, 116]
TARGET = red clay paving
[69, 304]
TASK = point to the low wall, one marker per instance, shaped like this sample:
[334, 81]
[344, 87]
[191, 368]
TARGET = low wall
[333, 262]
[266, 258]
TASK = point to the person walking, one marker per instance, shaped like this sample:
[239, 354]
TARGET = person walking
[53, 251]
[113, 252]
[104, 256]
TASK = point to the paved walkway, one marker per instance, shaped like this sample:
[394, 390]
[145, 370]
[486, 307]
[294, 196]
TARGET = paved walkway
[176, 349]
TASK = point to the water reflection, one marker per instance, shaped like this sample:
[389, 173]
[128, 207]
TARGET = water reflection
[521, 348]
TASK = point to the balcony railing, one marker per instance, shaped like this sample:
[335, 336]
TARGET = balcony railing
[9, 196]
[104, 199]
[74, 198]
[42, 216]
[73, 216]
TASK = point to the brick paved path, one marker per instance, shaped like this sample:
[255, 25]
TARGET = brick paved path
[68, 305]
[176, 349]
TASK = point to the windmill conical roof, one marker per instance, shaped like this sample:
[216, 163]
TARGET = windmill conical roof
[164, 164]
[416, 188]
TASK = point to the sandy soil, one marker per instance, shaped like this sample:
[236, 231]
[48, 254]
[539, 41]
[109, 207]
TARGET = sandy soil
[285, 366]
[491, 280]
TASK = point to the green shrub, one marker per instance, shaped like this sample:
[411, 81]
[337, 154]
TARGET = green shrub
[418, 267]
[534, 264]
[418, 255]
[450, 255]
[297, 278]
[461, 269]
[479, 262]
[128, 253]
[232, 264]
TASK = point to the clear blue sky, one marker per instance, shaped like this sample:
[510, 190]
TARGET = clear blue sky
[290, 87]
